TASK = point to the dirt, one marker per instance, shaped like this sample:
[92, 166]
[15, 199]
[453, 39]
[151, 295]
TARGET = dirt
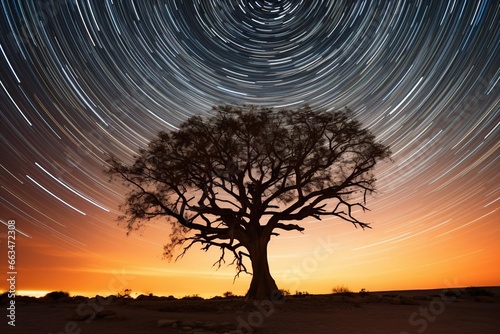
[398, 312]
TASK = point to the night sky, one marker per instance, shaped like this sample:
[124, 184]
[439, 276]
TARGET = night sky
[83, 79]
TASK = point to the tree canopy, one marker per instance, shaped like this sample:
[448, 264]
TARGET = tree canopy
[234, 179]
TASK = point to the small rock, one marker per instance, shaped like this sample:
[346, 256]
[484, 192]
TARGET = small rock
[188, 323]
[80, 317]
[211, 326]
[106, 314]
[166, 323]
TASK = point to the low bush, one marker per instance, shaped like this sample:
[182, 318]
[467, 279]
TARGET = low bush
[56, 295]
[363, 292]
[192, 297]
[285, 292]
[342, 290]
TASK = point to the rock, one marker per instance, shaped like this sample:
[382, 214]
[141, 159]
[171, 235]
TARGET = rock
[81, 317]
[188, 323]
[166, 323]
[198, 327]
[211, 326]
[106, 314]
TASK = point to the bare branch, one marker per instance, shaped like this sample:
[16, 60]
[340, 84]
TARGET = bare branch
[216, 178]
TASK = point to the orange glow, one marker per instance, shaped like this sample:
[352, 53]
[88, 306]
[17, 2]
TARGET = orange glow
[429, 251]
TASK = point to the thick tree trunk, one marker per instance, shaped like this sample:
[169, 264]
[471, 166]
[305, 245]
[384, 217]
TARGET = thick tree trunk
[262, 286]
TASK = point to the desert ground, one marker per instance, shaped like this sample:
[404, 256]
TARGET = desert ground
[460, 310]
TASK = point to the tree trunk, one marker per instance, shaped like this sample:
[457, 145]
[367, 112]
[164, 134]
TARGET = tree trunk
[262, 286]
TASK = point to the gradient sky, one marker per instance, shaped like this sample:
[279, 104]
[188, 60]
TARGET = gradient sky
[80, 79]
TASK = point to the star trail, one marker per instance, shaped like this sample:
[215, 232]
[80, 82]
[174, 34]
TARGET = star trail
[83, 79]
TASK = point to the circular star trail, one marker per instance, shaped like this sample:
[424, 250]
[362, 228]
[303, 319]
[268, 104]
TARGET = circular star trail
[83, 79]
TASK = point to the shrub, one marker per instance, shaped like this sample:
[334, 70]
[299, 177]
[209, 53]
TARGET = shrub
[192, 297]
[342, 290]
[301, 293]
[4, 298]
[56, 295]
[124, 293]
[285, 292]
[363, 292]
[228, 294]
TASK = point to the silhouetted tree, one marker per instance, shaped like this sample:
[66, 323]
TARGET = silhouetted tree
[234, 179]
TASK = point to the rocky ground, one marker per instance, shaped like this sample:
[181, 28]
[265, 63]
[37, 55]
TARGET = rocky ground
[399, 312]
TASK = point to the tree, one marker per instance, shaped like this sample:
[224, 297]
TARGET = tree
[236, 178]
